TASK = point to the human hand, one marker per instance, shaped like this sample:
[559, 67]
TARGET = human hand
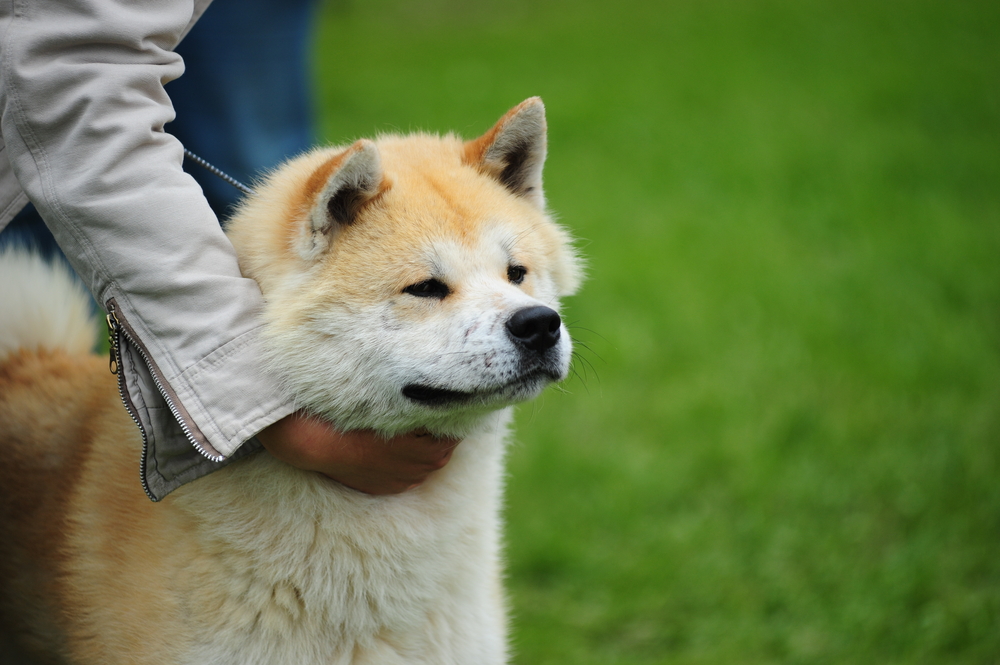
[361, 460]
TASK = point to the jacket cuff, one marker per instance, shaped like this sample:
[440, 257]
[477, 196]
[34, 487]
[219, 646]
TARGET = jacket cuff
[175, 450]
[229, 396]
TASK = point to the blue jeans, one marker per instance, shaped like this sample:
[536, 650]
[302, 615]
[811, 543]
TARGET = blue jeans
[243, 103]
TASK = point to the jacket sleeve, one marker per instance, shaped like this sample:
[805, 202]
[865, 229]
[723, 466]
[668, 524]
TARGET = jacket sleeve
[82, 110]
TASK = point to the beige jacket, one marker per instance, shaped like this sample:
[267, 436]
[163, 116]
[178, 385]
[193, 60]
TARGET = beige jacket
[82, 110]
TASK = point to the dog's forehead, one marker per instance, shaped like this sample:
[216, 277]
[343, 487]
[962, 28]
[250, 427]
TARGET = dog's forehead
[430, 186]
[494, 246]
[438, 217]
[452, 216]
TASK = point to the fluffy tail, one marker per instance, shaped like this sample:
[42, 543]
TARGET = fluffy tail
[42, 306]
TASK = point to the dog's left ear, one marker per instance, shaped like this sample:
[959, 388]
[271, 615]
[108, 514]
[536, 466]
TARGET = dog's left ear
[513, 151]
[338, 190]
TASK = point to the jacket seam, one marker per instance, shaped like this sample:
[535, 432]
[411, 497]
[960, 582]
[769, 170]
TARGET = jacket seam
[37, 152]
[251, 429]
[212, 361]
[228, 349]
[219, 355]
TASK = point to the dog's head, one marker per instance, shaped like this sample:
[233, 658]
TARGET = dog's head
[412, 281]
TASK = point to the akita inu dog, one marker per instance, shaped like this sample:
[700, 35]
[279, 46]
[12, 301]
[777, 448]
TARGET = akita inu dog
[411, 282]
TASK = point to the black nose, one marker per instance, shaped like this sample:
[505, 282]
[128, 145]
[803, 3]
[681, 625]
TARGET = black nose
[536, 328]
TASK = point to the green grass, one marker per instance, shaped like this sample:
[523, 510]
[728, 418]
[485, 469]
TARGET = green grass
[787, 449]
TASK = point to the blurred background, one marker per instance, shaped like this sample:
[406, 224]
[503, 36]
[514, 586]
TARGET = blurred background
[781, 441]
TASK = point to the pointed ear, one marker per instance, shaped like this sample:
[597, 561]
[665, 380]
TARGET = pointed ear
[337, 191]
[513, 151]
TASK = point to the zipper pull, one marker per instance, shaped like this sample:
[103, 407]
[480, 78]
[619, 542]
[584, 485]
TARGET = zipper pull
[113, 327]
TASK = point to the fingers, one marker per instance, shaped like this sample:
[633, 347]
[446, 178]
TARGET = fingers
[361, 460]
[433, 451]
[398, 464]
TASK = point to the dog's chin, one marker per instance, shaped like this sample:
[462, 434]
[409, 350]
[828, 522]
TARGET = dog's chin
[441, 398]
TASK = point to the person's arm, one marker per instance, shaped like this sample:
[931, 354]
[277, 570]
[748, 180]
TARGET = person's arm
[82, 109]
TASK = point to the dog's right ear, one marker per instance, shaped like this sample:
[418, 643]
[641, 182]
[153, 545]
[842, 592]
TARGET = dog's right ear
[337, 191]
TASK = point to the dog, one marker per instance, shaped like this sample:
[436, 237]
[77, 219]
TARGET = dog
[411, 282]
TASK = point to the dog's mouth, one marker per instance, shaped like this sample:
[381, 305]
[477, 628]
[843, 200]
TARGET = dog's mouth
[433, 396]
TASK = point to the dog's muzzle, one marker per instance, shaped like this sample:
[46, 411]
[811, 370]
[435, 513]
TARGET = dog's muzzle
[535, 331]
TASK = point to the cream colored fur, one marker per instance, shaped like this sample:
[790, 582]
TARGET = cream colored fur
[261, 563]
[42, 305]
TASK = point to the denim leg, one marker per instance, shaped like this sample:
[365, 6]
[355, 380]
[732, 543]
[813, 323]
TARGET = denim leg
[27, 230]
[244, 100]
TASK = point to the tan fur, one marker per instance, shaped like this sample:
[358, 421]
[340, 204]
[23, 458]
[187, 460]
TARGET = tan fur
[260, 562]
[431, 177]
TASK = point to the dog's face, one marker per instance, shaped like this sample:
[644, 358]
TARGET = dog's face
[413, 281]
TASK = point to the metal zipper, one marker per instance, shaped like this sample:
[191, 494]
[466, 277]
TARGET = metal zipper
[115, 365]
[121, 329]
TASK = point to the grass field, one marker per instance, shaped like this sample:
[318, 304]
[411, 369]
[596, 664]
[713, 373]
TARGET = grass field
[783, 445]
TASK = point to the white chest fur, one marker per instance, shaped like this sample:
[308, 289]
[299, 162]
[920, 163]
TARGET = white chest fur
[293, 568]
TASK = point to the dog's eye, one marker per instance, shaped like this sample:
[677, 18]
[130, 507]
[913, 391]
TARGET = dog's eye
[516, 274]
[429, 288]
